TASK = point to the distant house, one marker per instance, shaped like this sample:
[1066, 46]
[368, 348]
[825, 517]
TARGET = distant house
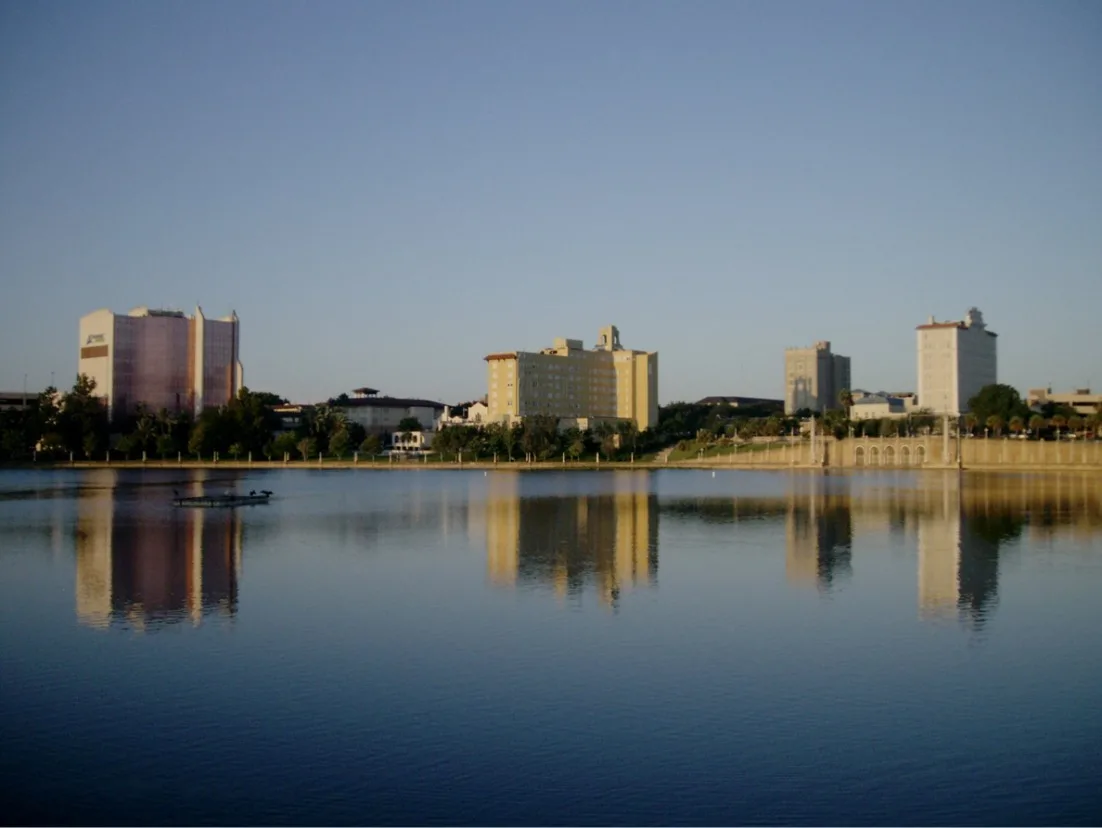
[381, 415]
[1081, 400]
[465, 414]
[290, 415]
[877, 407]
[410, 442]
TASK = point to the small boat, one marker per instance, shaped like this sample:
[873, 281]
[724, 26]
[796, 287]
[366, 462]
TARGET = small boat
[253, 498]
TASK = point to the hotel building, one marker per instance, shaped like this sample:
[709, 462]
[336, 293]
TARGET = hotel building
[955, 360]
[579, 387]
[814, 377]
[161, 358]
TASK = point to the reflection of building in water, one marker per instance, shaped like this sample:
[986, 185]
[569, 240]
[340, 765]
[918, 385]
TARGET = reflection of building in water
[609, 540]
[153, 567]
[958, 557]
[819, 535]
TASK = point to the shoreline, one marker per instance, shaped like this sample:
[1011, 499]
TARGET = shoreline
[520, 465]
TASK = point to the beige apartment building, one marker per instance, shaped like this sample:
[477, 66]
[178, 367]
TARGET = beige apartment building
[955, 360]
[814, 377]
[161, 359]
[580, 387]
[1081, 400]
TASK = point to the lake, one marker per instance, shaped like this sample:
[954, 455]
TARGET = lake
[616, 647]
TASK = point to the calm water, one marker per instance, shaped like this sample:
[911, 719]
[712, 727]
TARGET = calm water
[612, 647]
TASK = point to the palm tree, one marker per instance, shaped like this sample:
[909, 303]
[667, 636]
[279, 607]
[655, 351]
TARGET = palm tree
[1058, 422]
[970, 423]
[1017, 425]
[1036, 424]
[146, 429]
[629, 433]
[1075, 423]
[845, 397]
[995, 423]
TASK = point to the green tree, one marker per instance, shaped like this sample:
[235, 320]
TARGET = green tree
[126, 445]
[284, 444]
[356, 432]
[1002, 401]
[339, 443]
[539, 435]
[1058, 422]
[410, 424]
[628, 432]
[970, 423]
[200, 442]
[1076, 423]
[166, 444]
[236, 450]
[371, 445]
[575, 444]
[308, 447]
[1017, 424]
[509, 437]
[995, 423]
[82, 418]
[1037, 424]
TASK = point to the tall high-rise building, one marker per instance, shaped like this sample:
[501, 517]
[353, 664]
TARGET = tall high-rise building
[161, 358]
[955, 360]
[814, 378]
[609, 382]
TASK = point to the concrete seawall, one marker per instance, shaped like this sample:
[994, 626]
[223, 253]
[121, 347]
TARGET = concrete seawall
[934, 453]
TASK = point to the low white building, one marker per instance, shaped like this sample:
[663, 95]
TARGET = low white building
[411, 442]
[877, 407]
[477, 414]
[381, 415]
[1081, 400]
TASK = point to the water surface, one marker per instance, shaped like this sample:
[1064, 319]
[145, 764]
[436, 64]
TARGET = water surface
[427, 647]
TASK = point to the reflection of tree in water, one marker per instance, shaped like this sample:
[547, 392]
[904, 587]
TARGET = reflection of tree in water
[724, 510]
[835, 529]
[820, 540]
[982, 535]
[1000, 527]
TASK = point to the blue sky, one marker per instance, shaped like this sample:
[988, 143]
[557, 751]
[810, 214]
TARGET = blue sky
[386, 192]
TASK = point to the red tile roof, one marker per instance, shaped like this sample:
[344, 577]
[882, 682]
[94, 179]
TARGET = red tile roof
[509, 355]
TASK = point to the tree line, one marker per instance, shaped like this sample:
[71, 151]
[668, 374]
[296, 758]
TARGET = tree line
[55, 426]
[998, 408]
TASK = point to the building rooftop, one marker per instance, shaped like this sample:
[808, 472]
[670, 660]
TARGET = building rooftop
[973, 317]
[737, 401]
[387, 402]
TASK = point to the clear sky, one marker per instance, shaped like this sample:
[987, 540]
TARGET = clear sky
[386, 192]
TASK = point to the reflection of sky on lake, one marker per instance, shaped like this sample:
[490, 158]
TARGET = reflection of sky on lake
[612, 647]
